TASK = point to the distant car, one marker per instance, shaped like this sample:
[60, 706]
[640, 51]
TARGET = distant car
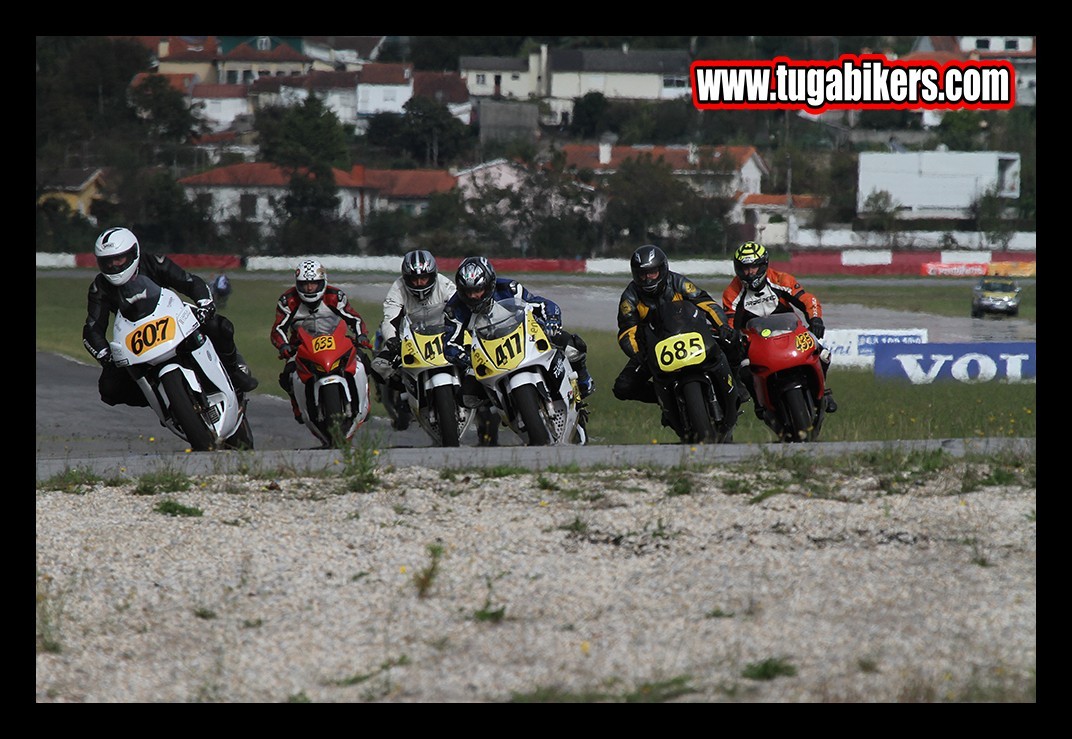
[995, 295]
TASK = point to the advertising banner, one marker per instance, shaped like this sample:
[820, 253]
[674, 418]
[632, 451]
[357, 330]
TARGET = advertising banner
[856, 347]
[970, 363]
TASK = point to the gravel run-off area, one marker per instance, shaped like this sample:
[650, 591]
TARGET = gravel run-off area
[617, 585]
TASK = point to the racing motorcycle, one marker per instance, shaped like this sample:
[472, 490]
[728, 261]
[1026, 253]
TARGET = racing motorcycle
[433, 385]
[783, 356]
[157, 337]
[692, 377]
[528, 377]
[330, 382]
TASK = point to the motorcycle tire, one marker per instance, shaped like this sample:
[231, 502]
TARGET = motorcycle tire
[181, 406]
[800, 417]
[527, 402]
[447, 414]
[334, 414]
[701, 430]
[243, 437]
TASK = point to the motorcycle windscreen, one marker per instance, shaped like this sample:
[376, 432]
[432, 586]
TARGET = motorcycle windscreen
[138, 298]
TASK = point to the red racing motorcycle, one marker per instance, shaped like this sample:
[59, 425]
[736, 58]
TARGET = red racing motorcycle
[330, 383]
[783, 356]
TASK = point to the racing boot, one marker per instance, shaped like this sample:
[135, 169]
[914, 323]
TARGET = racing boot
[831, 404]
[487, 426]
[236, 367]
[297, 411]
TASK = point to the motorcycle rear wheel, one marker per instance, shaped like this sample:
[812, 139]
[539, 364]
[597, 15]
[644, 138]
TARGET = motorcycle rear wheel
[243, 437]
[198, 435]
[447, 414]
[527, 402]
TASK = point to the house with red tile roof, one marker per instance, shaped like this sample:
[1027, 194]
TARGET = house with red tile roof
[250, 191]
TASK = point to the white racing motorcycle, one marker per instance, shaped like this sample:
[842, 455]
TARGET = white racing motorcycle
[158, 339]
[529, 378]
[433, 385]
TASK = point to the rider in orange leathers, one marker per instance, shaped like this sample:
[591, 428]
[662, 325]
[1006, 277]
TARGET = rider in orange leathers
[758, 290]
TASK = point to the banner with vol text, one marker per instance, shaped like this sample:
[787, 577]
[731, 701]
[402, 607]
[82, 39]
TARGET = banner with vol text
[923, 364]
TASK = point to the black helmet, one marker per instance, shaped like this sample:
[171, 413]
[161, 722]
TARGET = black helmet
[475, 280]
[750, 263]
[419, 272]
[646, 261]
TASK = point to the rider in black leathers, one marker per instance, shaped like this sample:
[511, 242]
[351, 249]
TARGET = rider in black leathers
[120, 258]
[654, 284]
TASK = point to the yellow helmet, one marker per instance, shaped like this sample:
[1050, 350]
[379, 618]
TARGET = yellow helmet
[750, 263]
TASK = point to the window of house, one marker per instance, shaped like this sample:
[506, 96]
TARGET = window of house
[247, 206]
[482, 79]
[203, 201]
[1012, 44]
[515, 76]
[264, 43]
[264, 73]
[389, 95]
[982, 44]
[232, 77]
[675, 81]
[247, 76]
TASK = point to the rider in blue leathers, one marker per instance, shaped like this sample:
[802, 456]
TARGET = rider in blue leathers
[479, 289]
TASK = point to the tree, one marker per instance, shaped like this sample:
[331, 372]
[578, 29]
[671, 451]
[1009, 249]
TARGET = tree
[589, 115]
[303, 135]
[645, 203]
[164, 110]
[432, 134]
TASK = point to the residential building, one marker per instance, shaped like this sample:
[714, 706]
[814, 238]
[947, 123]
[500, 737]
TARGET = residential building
[251, 191]
[936, 184]
[79, 187]
[260, 56]
[559, 76]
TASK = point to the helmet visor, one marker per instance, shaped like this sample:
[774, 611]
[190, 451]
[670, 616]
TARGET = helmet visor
[113, 264]
[310, 288]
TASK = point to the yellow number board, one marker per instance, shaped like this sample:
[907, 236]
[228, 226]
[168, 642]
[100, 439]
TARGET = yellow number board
[680, 351]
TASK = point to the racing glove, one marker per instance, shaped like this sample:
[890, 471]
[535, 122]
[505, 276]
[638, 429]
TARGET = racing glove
[363, 342]
[815, 325]
[553, 325]
[287, 351]
[729, 336]
[392, 350]
[104, 357]
[205, 310]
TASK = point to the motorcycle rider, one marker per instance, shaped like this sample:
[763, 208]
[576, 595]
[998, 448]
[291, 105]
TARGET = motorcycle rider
[654, 284]
[478, 288]
[758, 290]
[120, 259]
[419, 286]
[311, 298]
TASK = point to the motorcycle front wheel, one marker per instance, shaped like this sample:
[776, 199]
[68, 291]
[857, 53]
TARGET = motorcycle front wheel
[801, 419]
[333, 407]
[527, 402]
[181, 405]
[447, 414]
[701, 429]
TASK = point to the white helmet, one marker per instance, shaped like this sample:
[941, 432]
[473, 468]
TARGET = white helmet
[311, 280]
[118, 255]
